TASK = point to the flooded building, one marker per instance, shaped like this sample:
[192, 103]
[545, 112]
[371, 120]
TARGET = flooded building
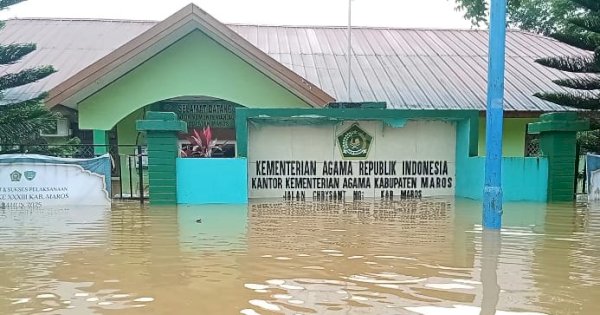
[283, 119]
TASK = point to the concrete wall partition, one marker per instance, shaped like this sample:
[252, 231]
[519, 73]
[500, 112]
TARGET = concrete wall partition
[212, 181]
[523, 179]
[191, 180]
[205, 181]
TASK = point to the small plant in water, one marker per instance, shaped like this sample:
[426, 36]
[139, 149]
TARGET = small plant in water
[201, 144]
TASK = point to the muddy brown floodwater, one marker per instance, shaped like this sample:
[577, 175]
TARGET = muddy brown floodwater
[429, 257]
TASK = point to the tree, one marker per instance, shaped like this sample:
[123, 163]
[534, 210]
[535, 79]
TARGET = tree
[585, 34]
[538, 16]
[21, 121]
[583, 31]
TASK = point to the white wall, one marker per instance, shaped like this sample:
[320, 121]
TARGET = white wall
[417, 141]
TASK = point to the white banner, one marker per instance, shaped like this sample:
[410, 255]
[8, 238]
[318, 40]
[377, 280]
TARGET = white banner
[592, 163]
[36, 181]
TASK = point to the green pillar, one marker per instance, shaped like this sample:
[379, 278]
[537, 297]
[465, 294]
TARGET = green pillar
[100, 138]
[161, 135]
[241, 132]
[558, 139]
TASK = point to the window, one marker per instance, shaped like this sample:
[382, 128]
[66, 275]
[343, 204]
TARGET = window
[60, 128]
[532, 144]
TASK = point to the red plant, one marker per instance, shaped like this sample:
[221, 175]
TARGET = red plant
[201, 144]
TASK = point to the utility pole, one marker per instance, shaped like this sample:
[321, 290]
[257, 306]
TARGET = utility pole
[349, 50]
[492, 192]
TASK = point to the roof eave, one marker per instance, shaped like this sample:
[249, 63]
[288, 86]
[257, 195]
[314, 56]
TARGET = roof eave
[66, 92]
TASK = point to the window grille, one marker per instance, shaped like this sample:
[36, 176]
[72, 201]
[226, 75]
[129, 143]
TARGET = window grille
[532, 146]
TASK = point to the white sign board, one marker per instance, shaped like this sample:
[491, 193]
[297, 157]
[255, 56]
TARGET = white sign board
[352, 160]
[592, 163]
[35, 181]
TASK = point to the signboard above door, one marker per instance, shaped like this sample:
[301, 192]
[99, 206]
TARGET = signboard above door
[202, 113]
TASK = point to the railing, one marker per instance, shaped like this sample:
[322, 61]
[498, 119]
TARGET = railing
[129, 163]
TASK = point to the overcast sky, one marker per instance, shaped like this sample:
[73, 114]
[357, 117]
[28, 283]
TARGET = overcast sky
[397, 13]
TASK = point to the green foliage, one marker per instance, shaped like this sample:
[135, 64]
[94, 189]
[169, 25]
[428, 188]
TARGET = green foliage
[475, 10]
[592, 5]
[583, 31]
[21, 122]
[580, 64]
[576, 37]
[576, 100]
[68, 149]
[7, 3]
[583, 28]
[11, 53]
[587, 84]
[588, 141]
[26, 76]
[539, 16]
[590, 23]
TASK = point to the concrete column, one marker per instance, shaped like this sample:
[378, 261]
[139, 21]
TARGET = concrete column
[558, 139]
[161, 134]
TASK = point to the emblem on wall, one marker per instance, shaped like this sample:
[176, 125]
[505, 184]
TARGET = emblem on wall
[354, 143]
[15, 176]
[29, 175]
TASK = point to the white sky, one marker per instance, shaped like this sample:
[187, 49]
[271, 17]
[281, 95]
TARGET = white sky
[397, 13]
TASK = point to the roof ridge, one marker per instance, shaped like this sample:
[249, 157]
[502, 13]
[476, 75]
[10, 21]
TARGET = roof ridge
[538, 35]
[271, 25]
[80, 19]
[355, 27]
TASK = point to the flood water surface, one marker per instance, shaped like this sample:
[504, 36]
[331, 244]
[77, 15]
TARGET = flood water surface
[429, 257]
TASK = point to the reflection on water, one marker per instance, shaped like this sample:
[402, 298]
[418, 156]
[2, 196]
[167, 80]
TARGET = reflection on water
[429, 257]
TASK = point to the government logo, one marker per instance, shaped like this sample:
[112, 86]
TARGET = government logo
[15, 176]
[354, 143]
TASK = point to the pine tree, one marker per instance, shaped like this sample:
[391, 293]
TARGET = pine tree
[585, 34]
[22, 121]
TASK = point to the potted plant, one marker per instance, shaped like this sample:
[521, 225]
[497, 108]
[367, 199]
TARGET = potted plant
[202, 145]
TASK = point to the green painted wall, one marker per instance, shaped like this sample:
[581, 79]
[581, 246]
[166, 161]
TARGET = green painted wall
[161, 130]
[513, 135]
[194, 65]
[126, 132]
[558, 137]
[561, 152]
[100, 139]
